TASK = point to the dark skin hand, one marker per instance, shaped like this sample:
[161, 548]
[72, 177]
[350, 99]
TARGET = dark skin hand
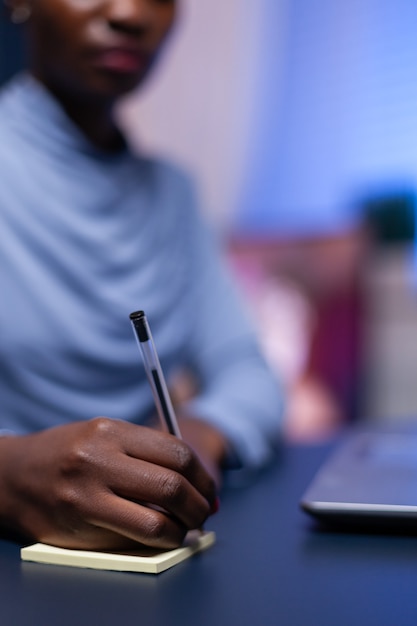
[92, 485]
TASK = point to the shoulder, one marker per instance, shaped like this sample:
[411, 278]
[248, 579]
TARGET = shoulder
[4, 113]
[168, 182]
[165, 172]
[9, 115]
[10, 96]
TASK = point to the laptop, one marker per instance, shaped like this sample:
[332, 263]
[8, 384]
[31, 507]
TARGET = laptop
[369, 481]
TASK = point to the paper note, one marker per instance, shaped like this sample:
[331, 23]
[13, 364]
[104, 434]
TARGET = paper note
[147, 560]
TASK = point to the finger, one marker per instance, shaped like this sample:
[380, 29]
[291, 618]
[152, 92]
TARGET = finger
[138, 523]
[167, 451]
[145, 482]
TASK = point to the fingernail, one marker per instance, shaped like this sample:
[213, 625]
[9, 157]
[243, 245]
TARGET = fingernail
[216, 505]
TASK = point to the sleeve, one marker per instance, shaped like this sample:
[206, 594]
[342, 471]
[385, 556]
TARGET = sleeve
[239, 394]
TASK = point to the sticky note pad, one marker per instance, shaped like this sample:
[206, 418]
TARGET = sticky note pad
[146, 560]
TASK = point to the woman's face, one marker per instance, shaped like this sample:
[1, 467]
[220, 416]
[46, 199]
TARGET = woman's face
[96, 49]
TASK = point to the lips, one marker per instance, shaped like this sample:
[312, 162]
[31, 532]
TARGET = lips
[122, 60]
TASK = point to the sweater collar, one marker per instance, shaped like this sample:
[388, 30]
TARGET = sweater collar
[35, 111]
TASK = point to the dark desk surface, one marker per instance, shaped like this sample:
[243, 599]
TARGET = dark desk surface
[269, 567]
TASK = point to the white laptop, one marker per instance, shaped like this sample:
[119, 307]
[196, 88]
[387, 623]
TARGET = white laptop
[370, 480]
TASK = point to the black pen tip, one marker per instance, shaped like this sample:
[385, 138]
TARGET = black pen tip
[138, 320]
[137, 315]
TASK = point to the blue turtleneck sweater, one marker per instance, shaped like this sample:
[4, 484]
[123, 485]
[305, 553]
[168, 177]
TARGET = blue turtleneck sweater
[88, 237]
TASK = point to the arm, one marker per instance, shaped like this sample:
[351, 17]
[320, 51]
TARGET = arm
[238, 395]
[92, 485]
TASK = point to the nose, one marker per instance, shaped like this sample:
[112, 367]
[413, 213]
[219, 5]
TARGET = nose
[131, 15]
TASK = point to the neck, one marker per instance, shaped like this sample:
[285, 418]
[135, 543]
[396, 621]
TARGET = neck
[96, 123]
[93, 116]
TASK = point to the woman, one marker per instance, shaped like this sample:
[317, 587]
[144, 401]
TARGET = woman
[91, 232]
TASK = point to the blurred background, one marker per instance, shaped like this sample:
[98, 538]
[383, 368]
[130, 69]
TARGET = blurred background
[298, 120]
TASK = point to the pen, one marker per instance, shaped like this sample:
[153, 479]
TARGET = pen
[156, 377]
[154, 372]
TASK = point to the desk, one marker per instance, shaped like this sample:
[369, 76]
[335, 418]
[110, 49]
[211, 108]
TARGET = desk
[270, 567]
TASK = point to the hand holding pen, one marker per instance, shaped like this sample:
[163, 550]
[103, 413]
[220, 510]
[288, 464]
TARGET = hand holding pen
[196, 430]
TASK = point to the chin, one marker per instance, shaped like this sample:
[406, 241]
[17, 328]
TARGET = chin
[115, 85]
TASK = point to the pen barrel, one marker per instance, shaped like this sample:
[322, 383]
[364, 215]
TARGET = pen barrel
[163, 401]
[155, 374]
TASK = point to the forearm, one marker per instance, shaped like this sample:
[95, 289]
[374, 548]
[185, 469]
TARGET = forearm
[238, 393]
[245, 403]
